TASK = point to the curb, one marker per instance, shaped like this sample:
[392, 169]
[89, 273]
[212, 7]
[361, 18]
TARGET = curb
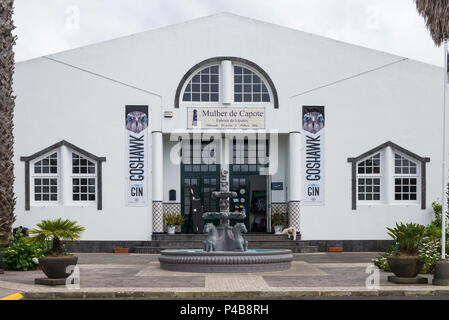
[242, 294]
[15, 296]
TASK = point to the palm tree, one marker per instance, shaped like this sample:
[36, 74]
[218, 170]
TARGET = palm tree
[436, 15]
[7, 41]
[56, 231]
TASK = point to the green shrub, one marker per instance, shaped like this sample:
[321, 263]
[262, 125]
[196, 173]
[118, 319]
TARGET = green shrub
[434, 228]
[430, 254]
[278, 219]
[20, 253]
[408, 237]
[172, 219]
[55, 231]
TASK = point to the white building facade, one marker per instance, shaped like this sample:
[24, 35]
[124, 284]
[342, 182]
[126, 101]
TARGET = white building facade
[245, 88]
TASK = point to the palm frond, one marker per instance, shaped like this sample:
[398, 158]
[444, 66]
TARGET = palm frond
[436, 16]
[56, 231]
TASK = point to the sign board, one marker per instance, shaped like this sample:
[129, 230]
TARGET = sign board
[136, 162]
[277, 186]
[313, 130]
[225, 118]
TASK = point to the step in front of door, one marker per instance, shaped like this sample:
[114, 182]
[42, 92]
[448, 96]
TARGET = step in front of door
[158, 249]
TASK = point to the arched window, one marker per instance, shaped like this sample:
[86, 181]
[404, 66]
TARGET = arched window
[226, 80]
[248, 86]
[203, 86]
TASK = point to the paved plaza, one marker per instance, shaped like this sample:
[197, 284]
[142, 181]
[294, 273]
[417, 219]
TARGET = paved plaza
[104, 275]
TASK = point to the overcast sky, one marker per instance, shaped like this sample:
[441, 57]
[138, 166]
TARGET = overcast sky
[394, 26]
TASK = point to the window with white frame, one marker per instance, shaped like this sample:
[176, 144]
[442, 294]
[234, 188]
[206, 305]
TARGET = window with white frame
[388, 174]
[45, 179]
[405, 178]
[204, 86]
[63, 174]
[248, 86]
[241, 80]
[83, 179]
[369, 179]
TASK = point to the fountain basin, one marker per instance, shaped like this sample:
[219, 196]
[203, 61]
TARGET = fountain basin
[262, 260]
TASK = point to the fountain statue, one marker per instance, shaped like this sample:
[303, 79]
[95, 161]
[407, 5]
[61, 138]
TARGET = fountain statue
[225, 249]
[224, 237]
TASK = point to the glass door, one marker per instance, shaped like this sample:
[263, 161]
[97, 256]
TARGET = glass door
[240, 185]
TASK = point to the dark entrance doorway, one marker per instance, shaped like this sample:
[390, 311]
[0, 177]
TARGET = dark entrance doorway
[198, 168]
[251, 187]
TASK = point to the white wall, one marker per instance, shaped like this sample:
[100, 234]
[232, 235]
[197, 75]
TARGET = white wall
[55, 102]
[400, 102]
[403, 104]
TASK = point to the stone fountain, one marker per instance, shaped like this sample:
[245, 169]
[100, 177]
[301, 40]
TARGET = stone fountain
[225, 249]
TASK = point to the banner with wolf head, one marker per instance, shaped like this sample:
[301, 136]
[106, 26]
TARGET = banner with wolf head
[136, 161]
[313, 125]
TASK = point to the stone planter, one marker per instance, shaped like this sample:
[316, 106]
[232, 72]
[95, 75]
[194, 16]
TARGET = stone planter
[55, 267]
[278, 229]
[405, 266]
[171, 229]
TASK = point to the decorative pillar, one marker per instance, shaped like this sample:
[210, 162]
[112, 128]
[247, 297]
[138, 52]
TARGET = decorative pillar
[294, 190]
[388, 173]
[157, 181]
[227, 80]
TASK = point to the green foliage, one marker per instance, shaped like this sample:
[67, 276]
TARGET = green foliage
[434, 228]
[428, 247]
[20, 253]
[172, 219]
[278, 219]
[408, 237]
[437, 209]
[56, 231]
[381, 261]
[430, 254]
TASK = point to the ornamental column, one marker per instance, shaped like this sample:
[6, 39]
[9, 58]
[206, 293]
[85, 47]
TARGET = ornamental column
[294, 190]
[157, 189]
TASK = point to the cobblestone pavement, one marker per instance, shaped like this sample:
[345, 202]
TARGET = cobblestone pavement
[108, 275]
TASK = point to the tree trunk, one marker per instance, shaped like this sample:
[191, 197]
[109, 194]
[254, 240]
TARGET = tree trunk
[7, 198]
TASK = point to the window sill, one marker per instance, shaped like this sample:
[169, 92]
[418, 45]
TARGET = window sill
[49, 205]
[394, 204]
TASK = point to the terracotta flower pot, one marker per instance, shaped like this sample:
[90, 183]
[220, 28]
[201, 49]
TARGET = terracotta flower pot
[121, 250]
[55, 267]
[405, 266]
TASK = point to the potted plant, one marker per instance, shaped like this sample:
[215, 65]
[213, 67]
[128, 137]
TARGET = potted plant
[404, 261]
[277, 221]
[53, 232]
[121, 250]
[173, 220]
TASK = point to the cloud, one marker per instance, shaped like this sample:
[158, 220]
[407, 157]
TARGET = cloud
[391, 26]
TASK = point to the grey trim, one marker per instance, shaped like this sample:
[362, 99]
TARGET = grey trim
[63, 143]
[354, 185]
[99, 160]
[109, 245]
[423, 185]
[353, 161]
[219, 59]
[27, 186]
